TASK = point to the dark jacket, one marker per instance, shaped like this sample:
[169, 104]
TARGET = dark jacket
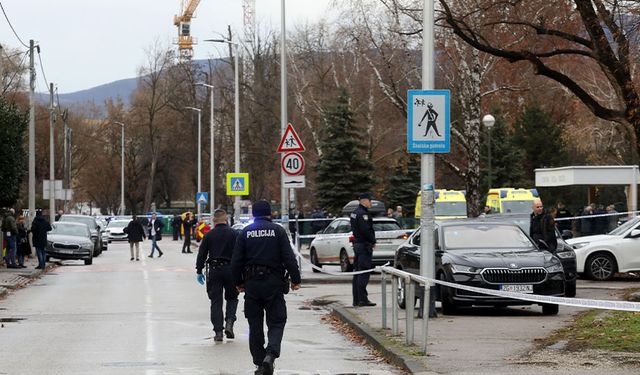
[564, 224]
[134, 231]
[23, 240]
[543, 227]
[39, 229]
[9, 225]
[176, 222]
[217, 243]
[266, 244]
[187, 226]
[362, 226]
[155, 229]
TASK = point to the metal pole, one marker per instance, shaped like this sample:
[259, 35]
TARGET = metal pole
[212, 179]
[199, 160]
[283, 110]
[634, 190]
[32, 134]
[122, 206]
[236, 203]
[52, 190]
[489, 143]
[384, 300]
[64, 159]
[394, 304]
[427, 177]
[409, 309]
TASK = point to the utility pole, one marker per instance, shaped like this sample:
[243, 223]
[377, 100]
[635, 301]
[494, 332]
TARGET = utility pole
[32, 133]
[52, 179]
[65, 155]
[283, 113]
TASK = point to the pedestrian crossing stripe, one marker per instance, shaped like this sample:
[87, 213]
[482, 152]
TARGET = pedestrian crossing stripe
[237, 184]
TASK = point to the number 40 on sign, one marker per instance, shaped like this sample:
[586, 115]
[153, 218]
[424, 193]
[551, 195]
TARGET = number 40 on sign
[292, 163]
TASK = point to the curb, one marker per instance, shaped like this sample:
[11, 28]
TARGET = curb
[376, 340]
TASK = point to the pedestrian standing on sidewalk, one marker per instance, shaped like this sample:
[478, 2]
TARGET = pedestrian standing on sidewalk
[155, 234]
[363, 243]
[24, 248]
[261, 258]
[176, 225]
[187, 227]
[135, 235]
[10, 230]
[216, 250]
[39, 228]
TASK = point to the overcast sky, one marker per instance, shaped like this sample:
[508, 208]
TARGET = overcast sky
[86, 43]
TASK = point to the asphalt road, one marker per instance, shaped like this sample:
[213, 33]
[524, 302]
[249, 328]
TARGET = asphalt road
[151, 317]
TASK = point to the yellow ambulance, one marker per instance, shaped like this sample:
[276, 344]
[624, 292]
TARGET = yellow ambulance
[450, 204]
[511, 201]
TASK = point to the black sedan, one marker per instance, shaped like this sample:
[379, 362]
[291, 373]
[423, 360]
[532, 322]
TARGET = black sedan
[491, 255]
[69, 240]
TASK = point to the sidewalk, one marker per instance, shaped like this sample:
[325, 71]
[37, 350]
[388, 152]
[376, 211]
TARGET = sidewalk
[16, 278]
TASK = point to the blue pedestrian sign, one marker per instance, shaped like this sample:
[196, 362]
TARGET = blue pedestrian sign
[428, 121]
[202, 197]
[237, 184]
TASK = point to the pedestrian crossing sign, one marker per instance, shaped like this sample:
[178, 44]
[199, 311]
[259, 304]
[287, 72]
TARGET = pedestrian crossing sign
[202, 197]
[237, 183]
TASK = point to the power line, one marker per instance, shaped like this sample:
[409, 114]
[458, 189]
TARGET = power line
[42, 67]
[11, 26]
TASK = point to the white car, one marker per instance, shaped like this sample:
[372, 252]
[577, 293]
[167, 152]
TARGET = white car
[115, 230]
[333, 245]
[600, 257]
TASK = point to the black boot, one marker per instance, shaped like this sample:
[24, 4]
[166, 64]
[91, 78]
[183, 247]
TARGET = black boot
[218, 336]
[267, 364]
[228, 330]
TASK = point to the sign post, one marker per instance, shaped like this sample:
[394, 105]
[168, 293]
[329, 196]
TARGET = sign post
[292, 166]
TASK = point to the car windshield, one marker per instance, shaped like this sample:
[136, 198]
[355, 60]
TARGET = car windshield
[381, 226]
[516, 207]
[118, 224]
[625, 227]
[70, 230]
[88, 220]
[482, 236]
[451, 209]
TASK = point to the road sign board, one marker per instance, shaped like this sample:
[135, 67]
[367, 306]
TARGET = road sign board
[429, 127]
[292, 164]
[237, 183]
[294, 182]
[202, 197]
[290, 141]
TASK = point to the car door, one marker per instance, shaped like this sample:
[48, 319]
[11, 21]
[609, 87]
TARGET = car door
[322, 242]
[341, 240]
[628, 247]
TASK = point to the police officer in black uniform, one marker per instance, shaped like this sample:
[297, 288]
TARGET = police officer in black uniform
[261, 257]
[363, 244]
[216, 250]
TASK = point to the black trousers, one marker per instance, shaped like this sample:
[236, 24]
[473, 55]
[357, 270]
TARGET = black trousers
[186, 245]
[176, 234]
[265, 296]
[220, 285]
[363, 261]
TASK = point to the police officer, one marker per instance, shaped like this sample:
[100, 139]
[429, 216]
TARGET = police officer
[542, 226]
[261, 256]
[363, 243]
[216, 250]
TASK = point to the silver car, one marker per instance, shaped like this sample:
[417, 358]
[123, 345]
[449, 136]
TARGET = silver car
[69, 240]
[115, 230]
[94, 228]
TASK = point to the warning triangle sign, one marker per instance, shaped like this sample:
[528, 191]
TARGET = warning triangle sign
[290, 141]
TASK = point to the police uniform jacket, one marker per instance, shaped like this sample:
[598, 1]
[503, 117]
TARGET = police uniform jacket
[217, 243]
[264, 243]
[362, 226]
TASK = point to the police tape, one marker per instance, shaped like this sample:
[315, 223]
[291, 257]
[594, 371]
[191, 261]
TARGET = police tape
[298, 254]
[597, 215]
[537, 298]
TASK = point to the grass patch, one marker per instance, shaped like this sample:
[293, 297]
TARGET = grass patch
[617, 331]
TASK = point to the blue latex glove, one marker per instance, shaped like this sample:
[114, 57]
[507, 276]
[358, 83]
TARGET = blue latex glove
[200, 279]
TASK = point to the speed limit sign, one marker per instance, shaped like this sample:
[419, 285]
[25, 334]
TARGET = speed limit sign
[292, 164]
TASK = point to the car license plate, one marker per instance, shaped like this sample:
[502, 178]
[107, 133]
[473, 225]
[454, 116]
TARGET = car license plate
[517, 288]
[383, 241]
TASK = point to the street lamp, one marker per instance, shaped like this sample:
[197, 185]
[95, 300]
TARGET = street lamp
[199, 154]
[122, 206]
[212, 193]
[236, 204]
[488, 122]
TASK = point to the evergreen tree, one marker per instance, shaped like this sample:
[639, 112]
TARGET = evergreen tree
[343, 171]
[403, 185]
[507, 157]
[13, 126]
[540, 138]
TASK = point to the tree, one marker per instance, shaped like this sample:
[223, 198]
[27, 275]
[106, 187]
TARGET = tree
[343, 172]
[403, 184]
[556, 44]
[13, 128]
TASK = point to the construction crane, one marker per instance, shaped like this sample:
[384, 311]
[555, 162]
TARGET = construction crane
[185, 41]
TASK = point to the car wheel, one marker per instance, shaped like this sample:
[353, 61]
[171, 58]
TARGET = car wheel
[550, 309]
[448, 307]
[601, 267]
[88, 262]
[570, 289]
[314, 260]
[401, 294]
[345, 265]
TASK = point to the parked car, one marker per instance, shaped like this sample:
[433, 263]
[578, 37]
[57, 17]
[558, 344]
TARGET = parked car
[333, 246]
[563, 251]
[600, 257]
[94, 228]
[102, 222]
[491, 255]
[69, 240]
[115, 230]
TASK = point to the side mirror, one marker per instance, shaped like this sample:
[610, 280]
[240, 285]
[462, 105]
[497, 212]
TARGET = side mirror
[566, 234]
[635, 233]
[543, 245]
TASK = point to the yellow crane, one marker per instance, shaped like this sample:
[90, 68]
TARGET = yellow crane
[183, 22]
